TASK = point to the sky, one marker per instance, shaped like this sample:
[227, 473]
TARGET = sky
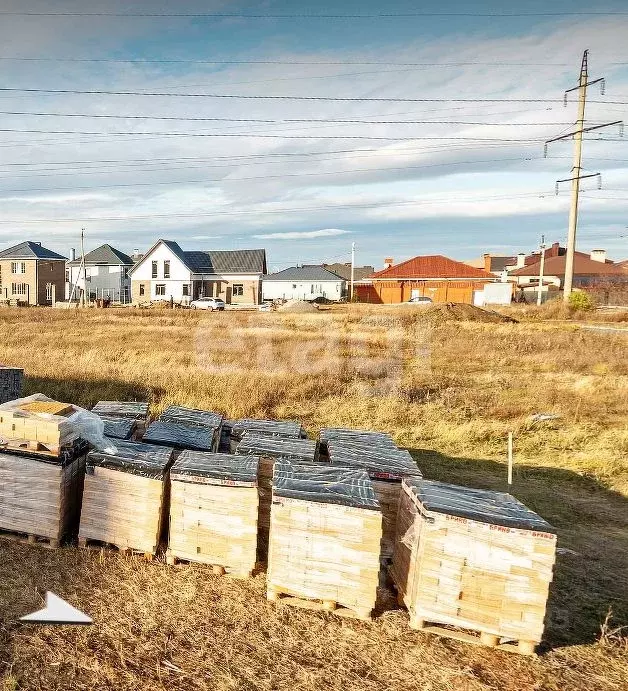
[407, 129]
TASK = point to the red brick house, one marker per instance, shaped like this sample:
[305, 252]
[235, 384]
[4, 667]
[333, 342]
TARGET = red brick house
[434, 276]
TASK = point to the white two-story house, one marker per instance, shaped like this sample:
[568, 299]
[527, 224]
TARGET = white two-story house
[166, 272]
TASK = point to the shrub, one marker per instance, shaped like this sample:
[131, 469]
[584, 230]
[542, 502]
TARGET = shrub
[579, 300]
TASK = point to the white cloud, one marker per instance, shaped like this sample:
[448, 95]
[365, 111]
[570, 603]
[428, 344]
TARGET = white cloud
[303, 235]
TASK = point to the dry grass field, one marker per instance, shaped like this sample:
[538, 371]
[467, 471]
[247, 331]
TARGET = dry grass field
[449, 391]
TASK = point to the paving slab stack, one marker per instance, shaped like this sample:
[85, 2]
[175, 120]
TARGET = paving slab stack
[386, 465]
[118, 416]
[269, 449]
[178, 435]
[42, 461]
[11, 379]
[125, 496]
[325, 534]
[474, 559]
[213, 511]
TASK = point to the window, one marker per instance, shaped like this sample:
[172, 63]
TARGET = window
[125, 273]
[160, 289]
[186, 290]
[238, 289]
[154, 273]
[294, 285]
[18, 267]
[19, 289]
[166, 269]
[67, 275]
[141, 289]
[48, 292]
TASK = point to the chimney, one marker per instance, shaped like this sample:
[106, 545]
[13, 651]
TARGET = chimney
[598, 256]
[487, 262]
[72, 254]
[521, 260]
[388, 262]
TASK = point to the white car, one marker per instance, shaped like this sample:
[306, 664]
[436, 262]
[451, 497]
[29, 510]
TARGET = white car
[210, 304]
[420, 300]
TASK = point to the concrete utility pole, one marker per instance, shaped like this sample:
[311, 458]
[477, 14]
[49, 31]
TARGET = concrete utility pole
[352, 270]
[539, 297]
[583, 83]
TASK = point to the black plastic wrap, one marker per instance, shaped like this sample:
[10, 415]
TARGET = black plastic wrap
[267, 427]
[215, 468]
[297, 450]
[133, 457]
[180, 436]
[324, 484]
[191, 416]
[379, 460]
[119, 427]
[484, 506]
[134, 410]
[349, 435]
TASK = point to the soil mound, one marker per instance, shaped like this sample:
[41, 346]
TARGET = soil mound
[300, 306]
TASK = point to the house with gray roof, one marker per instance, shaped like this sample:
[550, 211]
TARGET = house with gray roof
[168, 272]
[303, 283]
[31, 275]
[105, 275]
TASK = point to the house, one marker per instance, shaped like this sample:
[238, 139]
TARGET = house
[167, 272]
[106, 275]
[590, 269]
[494, 263]
[303, 283]
[434, 276]
[344, 270]
[31, 274]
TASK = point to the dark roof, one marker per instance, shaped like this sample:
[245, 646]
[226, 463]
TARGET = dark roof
[583, 265]
[226, 261]
[29, 250]
[216, 261]
[105, 254]
[432, 266]
[501, 263]
[304, 273]
[344, 270]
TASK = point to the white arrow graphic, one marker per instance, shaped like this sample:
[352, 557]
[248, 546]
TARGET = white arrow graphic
[57, 611]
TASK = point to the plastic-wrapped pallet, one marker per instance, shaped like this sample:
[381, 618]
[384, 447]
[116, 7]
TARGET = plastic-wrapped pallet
[132, 410]
[325, 535]
[10, 383]
[271, 428]
[119, 427]
[191, 416]
[344, 434]
[269, 449]
[474, 559]
[387, 466]
[182, 436]
[213, 511]
[40, 496]
[124, 496]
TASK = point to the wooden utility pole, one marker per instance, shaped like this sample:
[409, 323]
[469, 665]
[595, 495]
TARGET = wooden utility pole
[583, 83]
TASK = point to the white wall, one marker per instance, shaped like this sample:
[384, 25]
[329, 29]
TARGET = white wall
[301, 290]
[178, 271]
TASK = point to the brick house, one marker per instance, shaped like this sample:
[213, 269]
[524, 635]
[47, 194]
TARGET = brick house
[31, 274]
[433, 276]
[167, 272]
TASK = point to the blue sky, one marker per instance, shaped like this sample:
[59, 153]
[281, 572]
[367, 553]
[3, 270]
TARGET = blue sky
[461, 179]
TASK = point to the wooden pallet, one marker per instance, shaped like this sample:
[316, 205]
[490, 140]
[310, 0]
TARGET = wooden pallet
[99, 545]
[217, 569]
[484, 638]
[29, 539]
[274, 594]
[35, 447]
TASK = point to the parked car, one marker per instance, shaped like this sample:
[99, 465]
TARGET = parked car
[420, 300]
[210, 304]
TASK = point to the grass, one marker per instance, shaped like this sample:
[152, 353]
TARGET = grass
[448, 391]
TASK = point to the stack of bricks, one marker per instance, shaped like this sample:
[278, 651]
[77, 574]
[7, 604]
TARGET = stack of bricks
[10, 383]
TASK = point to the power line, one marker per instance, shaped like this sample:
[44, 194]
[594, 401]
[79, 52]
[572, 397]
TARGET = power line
[282, 120]
[358, 99]
[303, 15]
[323, 63]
